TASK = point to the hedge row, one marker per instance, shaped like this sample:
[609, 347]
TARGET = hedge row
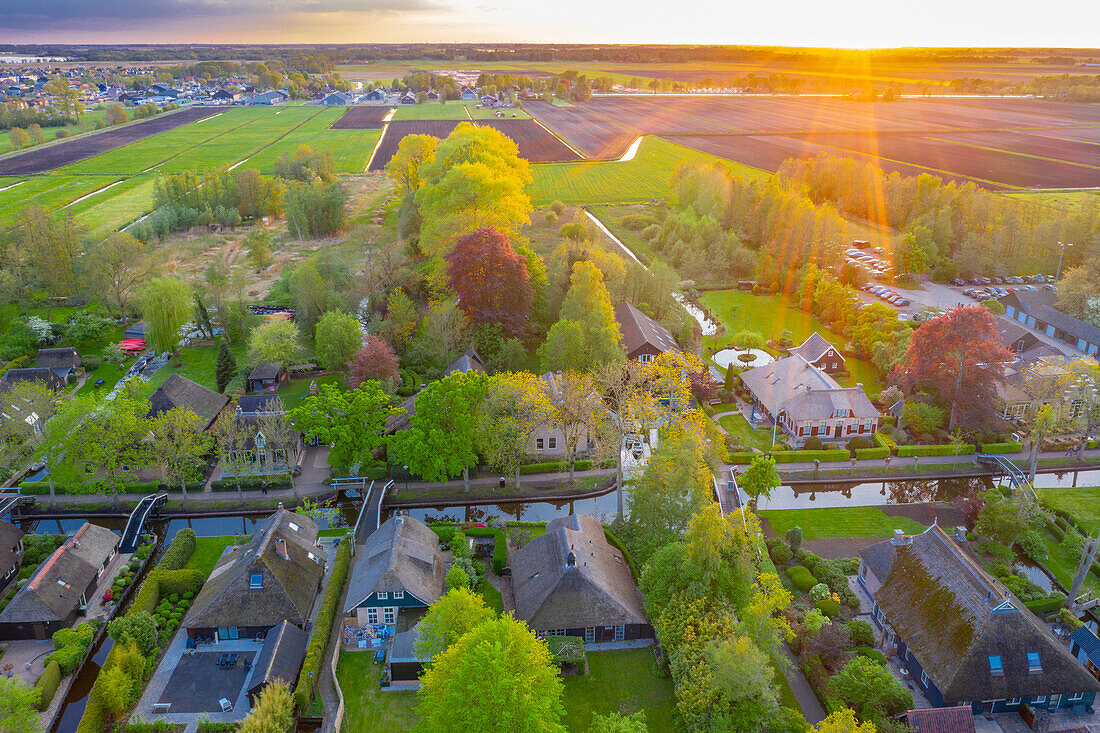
[1011, 447]
[251, 483]
[310, 675]
[809, 456]
[500, 545]
[550, 466]
[946, 449]
[614, 542]
[180, 551]
[1045, 605]
[42, 488]
[744, 457]
[47, 684]
[872, 453]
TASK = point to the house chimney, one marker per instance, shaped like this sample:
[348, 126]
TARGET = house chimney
[960, 534]
[859, 385]
[900, 540]
[280, 505]
[280, 547]
[571, 558]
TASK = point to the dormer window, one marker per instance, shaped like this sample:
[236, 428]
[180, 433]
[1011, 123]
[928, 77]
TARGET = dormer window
[256, 581]
[260, 441]
[996, 668]
[398, 595]
[383, 595]
[293, 526]
[1034, 666]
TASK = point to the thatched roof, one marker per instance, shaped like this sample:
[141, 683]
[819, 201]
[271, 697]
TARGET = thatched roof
[178, 391]
[63, 358]
[401, 555]
[954, 616]
[280, 658]
[285, 554]
[572, 578]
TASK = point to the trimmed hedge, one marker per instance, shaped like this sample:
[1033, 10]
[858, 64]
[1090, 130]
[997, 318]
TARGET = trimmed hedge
[946, 449]
[801, 578]
[554, 466]
[179, 552]
[1010, 447]
[740, 458]
[47, 684]
[809, 456]
[871, 653]
[829, 607]
[322, 630]
[864, 454]
[42, 488]
[251, 483]
[1045, 605]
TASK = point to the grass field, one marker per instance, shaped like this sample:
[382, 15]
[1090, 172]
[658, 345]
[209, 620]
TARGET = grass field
[855, 521]
[452, 110]
[614, 182]
[49, 192]
[1064, 568]
[196, 363]
[366, 706]
[770, 315]
[739, 426]
[207, 552]
[1083, 504]
[619, 681]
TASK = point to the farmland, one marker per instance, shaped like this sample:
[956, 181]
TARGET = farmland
[396, 131]
[594, 136]
[452, 110]
[535, 143]
[357, 118]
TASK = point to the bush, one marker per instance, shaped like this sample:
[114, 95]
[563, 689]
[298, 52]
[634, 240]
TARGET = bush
[67, 658]
[809, 456]
[819, 592]
[829, 607]
[860, 632]
[864, 454]
[859, 442]
[1010, 447]
[812, 443]
[47, 684]
[945, 449]
[1046, 605]
[310, 675]
[801, 578]
[781, 554]
[251, 483]
[636, 222]
[179, 552]
[552, 466]
[871, 653]
[741, 458]
[90, 362]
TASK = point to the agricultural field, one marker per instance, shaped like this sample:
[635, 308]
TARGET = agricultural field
[358, 118]
[594, 136]
[535, 143]
[50, 157]
[396, 132]
[454, 110]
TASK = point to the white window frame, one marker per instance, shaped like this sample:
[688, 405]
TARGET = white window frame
[389, 615]
[552, 443]
[1015, 701]
[590, 635]
[372, 615]
[398, 595]
[539, 442]
[1075, 697]
[620, 632]
[645, 358]
[923, 678]
[382, 595]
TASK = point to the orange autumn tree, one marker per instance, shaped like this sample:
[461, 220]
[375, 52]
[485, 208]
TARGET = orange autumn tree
[960, 356]
[490, 280]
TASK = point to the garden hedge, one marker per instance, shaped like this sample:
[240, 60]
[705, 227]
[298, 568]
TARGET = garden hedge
[1010, 447]
[180, 551]
[801, 578]
[809, 456]
[251, 483]
[871, 653]
[864, 454]
[829, 607]
[47, 684]
[42, 488]
[945, 449]
[310, 675]
[1045, 605]
[741, 457]
[500, 545]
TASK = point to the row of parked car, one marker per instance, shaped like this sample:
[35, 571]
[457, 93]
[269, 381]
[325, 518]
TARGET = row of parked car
[1019, 279]
[887, 294]
[875, 267]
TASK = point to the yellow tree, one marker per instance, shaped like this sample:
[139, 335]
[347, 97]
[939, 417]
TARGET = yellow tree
[406, 166]
[576, 409]
[589, 304]
[515, 407]
[844, 721]
[670, 380]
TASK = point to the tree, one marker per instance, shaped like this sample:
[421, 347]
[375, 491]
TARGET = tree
[921, 418]
[375, 360]
[514, 407]
[225, 366]
[619, 723]
[576, 408]
[350, 422]
[794, 539]
[743, 677]
[179, 442]
[18, 707]
[844, 721]
[457, 612]
[748, 340]
[761, 620]
[442, 437]
[491, 280]
[258, 243]
[336, 338]
[1044, 422]
[623, 386]
[110, 441]
[233, 437]
[457, 578]
[279, 436]
[960, 355]
[870, 690]
[444, 334]
[406, 166]
[1000, 518]
[117, 265]
[915, 251]
[498, 677]
[564, 348]
[165, 306]
[272, 713]
[19, 138]
[275, 340]
[589, 304]
[116, 114]
[400, 322]
[760, 477]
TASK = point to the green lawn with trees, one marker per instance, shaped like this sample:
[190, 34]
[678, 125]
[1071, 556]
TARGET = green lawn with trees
[366, 706]
[1082, 503]
[827, 523]
[619, 681]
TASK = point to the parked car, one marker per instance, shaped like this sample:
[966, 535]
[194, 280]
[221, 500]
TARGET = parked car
[904, 302]
[956, 281]
[1050, 286]
[1029, 287]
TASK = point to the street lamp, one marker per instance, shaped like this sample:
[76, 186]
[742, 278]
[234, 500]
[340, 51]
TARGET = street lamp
[1061, 254]
[775, 420]
[406, 478]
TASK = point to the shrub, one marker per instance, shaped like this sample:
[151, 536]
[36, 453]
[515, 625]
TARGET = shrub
[47, 684]
[67, 658]
[781, 554]
[91, 362]
[829, 607]
[858, 443]
[812, 443]
[1046, 605]
[861, 632]
[310, 675]
[251, 483]
[636, 222]
[870, 653]
[944, 449]
[801, 578]
[864, 454]
[809, 456]
[819, 592]
[1010, 447]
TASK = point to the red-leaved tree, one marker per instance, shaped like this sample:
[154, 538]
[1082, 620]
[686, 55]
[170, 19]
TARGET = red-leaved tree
[959, 355]
[375, 360]
[491, 280]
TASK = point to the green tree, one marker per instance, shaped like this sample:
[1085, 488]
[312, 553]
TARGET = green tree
[110, 441]
[457, 612]
[515, 406]
[351, 422]
[115, 268]
[336, 339]
[794, 539]
[225, 366]
[870, 690]
[564, 348]
[915, 251]
[457, 578]
[117, 689]
[276, 340]
[400, 323]
[741, 674]
[441, 440]
[922, 418]
[497, 678]
[179, 442]
[116, 114]
[258, 243]
[760, 478]
[165, 306]
[748, 340]
[843, 721]
[589, 304]
[272, 713]
[139, 628]
[19, 138]
[18, 707]
[1000, 518]
[619, 723]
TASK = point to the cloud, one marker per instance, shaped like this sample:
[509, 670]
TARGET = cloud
[126, 14]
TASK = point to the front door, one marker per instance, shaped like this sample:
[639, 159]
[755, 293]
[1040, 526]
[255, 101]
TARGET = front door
[40, 631]
[836, 434]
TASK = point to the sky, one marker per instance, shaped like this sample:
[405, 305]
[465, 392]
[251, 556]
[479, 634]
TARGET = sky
[836, 23]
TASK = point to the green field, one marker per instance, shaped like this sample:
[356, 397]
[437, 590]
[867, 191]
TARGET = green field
[613, 182]
[451, 110]
[619, 681]
[49, 192]
[1083, 504]
[848, 521]
[350, 148]
[770, 315]
[207, 552]
[368, 708]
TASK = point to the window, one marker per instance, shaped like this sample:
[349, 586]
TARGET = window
[550, 632]
[382, 595]
[1014, 701]
[398, 595]
[1076, 697]
[645, 358]
[372, 615]
[923, 678]
[293, 526]
[590, 635]
[538, 443]
[1034, 666]
[995, 667]
[1039, 700]
[863, 570]
[553, 443]
[620, 632]
[256, 582]
[389, 615]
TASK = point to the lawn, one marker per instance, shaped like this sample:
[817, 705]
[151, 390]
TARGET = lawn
[492, 597]
[452, 110]
[296, 390]
[196, 363]
[1064, 568]
[207, 552]
[1083, 504]
[853, 521]
[366, 706]
[737, 425]
[770, 315]
[619, 681]
[613, 182]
